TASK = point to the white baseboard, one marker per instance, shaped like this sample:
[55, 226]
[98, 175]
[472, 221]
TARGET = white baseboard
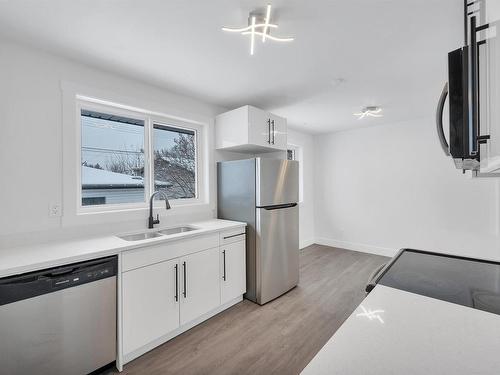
[306, 243]
[385, 251]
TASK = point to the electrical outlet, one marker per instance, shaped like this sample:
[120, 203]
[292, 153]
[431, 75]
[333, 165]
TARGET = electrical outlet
[54, 210]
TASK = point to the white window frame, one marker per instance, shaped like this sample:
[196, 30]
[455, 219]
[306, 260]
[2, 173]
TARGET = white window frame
[198, 152]
[150, 118]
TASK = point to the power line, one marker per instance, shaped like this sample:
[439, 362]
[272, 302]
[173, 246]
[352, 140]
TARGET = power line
[110, 151]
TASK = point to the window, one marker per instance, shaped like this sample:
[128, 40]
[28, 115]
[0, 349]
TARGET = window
[112, 159]
[174, 153]
[125, 156]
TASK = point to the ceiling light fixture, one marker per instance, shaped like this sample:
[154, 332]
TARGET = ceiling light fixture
[258, 25]
[266, 22]
[371, 111]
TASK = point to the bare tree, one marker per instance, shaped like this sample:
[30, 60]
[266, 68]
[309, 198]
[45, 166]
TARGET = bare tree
[130, 163]
[177, 167]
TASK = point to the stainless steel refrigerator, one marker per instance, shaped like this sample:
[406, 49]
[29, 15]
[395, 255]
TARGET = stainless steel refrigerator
[264, 193]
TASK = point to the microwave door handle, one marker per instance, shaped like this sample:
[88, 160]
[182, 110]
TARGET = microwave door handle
[439, 121]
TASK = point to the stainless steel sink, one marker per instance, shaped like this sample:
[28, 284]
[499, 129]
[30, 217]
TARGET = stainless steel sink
[140, 236]
[176, 230]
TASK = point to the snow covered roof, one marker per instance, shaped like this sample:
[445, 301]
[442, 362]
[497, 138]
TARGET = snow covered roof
[93, 178]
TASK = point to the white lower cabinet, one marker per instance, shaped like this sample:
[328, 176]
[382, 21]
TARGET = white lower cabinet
[150, 309]
[233, 271]
[200, 284]
[163, 297]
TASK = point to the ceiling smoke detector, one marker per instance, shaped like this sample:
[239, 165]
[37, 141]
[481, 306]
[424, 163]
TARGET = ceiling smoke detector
[259, 27]
[371, 111]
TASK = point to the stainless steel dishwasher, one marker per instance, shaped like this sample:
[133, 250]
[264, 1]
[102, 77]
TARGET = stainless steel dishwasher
[60, 320]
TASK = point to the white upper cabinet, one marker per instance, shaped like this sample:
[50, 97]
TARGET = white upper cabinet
[249, 129]
[492, 10]
[489, 88]
[279, 132]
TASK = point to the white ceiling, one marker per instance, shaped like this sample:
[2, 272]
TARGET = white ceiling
[347, 54]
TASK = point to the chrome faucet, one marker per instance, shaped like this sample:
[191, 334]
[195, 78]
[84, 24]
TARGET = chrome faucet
[152, 221]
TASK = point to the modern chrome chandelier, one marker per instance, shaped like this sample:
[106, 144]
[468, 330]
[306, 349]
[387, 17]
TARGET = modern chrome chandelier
[259, 26]
[372, 111]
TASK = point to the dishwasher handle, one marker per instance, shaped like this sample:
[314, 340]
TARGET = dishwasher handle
[62, 271]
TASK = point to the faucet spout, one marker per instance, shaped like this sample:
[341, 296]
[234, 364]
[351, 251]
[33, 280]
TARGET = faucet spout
[151, 220]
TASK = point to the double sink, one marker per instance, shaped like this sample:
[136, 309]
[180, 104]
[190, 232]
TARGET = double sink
[159, 233]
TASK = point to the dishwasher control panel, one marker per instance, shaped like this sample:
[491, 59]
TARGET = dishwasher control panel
[29, 285]
[83, 277]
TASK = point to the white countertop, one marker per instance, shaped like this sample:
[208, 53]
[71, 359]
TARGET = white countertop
[17, 260]
[413, 335]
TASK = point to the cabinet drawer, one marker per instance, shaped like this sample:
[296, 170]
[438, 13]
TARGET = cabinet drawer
[164, 251]
[233, 235]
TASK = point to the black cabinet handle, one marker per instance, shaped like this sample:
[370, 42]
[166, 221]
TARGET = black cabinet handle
[269, 131]
[176, 283]
[184, 293]
[224, 263]
[234, 235]
[274, 132]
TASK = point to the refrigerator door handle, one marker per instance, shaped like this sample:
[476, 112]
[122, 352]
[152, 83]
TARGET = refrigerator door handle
[439, 121]
[278, 206]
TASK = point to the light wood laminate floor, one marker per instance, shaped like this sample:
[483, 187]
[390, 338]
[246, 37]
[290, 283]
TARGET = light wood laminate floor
[280, 337]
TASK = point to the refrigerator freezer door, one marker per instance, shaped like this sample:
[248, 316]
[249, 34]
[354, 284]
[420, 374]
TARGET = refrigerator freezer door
[277, 252]
[277, 182]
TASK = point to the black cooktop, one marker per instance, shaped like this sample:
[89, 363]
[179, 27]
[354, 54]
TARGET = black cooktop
[465, 281]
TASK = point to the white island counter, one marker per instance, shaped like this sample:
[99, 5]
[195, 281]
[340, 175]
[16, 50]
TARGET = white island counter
[397, 332]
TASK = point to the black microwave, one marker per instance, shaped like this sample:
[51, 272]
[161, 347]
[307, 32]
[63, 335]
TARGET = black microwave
[462, 90]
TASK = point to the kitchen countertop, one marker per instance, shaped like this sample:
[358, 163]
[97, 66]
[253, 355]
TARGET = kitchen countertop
[17, 260]
[410, 334]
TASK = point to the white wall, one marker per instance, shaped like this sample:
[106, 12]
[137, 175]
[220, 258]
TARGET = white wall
[305, 142]
[382, 188]
[31, 140]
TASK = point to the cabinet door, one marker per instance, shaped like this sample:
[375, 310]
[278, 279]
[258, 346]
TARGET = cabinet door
[492, 8]
[200, 287]
[233, 271]
[278, 132]
[259, 127]
[150, 303]
[489, 97]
